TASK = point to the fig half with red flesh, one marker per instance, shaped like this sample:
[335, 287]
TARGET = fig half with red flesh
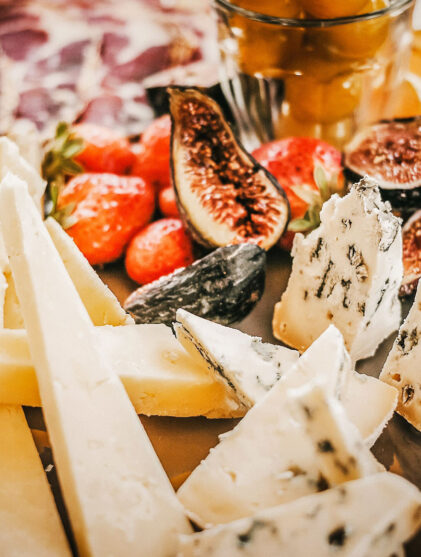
[390, 153]
[224, 195]
[411, 240]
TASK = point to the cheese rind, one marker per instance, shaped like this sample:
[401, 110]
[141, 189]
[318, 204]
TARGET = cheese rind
[402, 367]
[367, 517]
[270, 457]
[116, 492]
[29, 521]
[347, 273]
[244, 364]
[160, 377]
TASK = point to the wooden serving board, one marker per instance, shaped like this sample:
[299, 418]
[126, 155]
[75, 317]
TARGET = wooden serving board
[181, 443]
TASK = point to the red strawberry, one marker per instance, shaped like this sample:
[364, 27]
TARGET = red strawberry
[104, 150]
[310, 171]
[158, 250]
[109, 210]
[153, 153]
[167, 202]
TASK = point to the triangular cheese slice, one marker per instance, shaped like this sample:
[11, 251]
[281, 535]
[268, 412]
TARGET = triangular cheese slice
[242, 363]
[347, 273]
[117, 494]
[402, 367]
[368, 517]
[249, 369]
[101, 304]
[29, 521]
[271, 456]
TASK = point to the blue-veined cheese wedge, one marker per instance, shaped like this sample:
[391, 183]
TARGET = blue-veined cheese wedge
[368, 517]
[402, 367]
[347, 273]
[249, 369]
[244, 364]
[271, 456]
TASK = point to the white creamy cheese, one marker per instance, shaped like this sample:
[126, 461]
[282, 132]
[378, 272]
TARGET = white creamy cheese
[242, 363]
[12, 161]
[249, 369]
[101, 304]
[368, 517]
[117, 494]
[30, 525]
[347, 272]
[160, 377]
[402, 367]
[271, 457]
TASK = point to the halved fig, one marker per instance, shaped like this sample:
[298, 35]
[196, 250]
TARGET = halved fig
[390, 153]
[411, 238]
[223, 194]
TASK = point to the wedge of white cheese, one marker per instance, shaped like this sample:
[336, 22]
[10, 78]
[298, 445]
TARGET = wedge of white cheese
[101, 304]
[160, 377]
[117, 494]
[347, 272]
[271, 457]
[368, 517]
[29, 521]
[249, 368]
[242, 363]
[12, 161]
[402, 367]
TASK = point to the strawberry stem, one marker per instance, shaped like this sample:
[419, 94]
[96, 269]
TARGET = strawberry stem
[58, 165]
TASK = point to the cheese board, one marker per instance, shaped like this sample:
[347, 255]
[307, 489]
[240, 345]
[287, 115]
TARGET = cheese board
[169, 418]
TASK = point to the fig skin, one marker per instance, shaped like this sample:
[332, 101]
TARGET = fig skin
[411, 238]
[223, 286]
[390, 161]
[217, 208]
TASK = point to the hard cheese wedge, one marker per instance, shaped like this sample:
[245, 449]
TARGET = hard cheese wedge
[249, 369]
[160, 377]
[101, 304]
[29, 521]
[402, 367]
[368, 517]
[117, 494]
[242, 363]
[270, 457]
[12, 161]
[347, 272]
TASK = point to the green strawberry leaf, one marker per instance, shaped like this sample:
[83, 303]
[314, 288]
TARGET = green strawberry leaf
[300, 225]
[59, 164]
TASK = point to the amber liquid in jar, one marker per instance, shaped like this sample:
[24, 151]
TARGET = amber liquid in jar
[322, 81]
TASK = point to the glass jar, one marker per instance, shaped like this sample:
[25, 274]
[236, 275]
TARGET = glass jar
[323, 78]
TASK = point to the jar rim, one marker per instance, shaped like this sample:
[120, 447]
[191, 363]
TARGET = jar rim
[394, 8]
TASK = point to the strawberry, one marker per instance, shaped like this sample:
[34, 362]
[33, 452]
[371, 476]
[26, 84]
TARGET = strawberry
[153, 153]
[104, 150]
[102, 212]
[159, 249]
[167, 202]
[310, 171]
